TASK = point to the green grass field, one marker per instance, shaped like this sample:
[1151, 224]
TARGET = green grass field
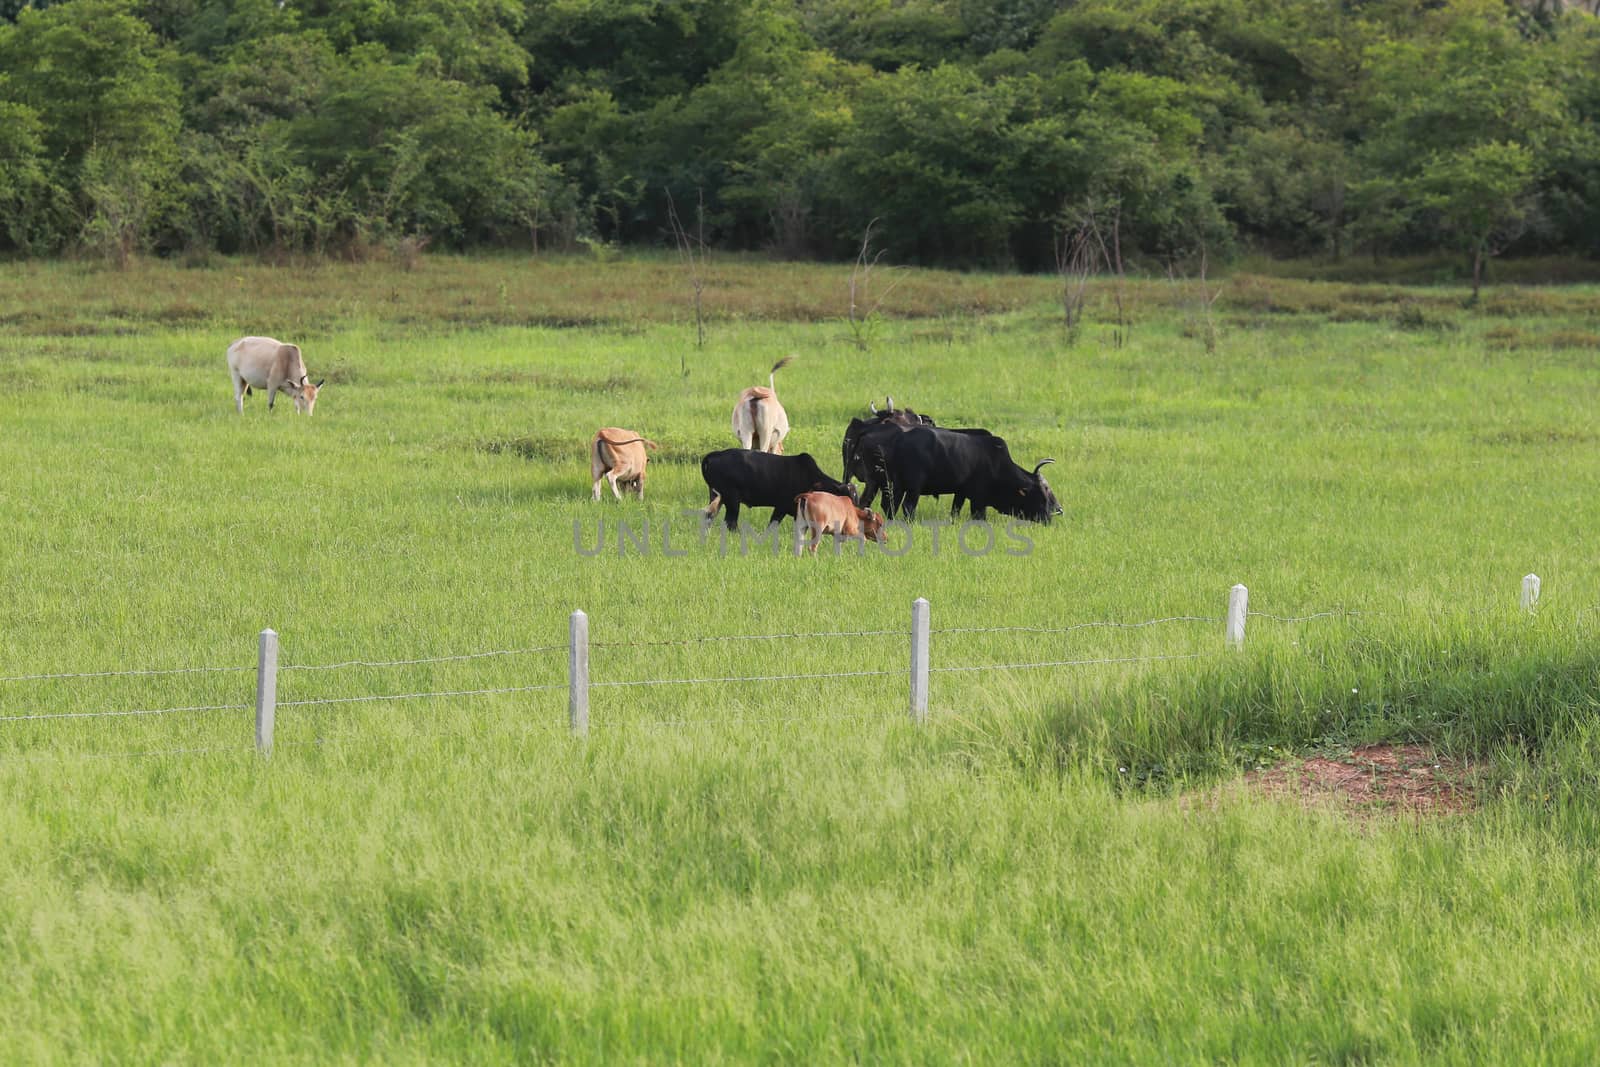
[1048, 871]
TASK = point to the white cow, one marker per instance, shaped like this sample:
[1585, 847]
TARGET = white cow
[759, 421]
[262, 363]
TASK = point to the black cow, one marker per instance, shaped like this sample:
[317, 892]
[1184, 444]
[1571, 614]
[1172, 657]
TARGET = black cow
[861, 431]
[738, 477]
[975, 465]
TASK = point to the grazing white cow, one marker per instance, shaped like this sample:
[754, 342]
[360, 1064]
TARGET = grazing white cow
[617, 455]
[759, 421]
[262, 363]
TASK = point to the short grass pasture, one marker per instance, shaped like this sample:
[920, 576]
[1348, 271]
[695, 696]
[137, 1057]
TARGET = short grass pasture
[1056, 868]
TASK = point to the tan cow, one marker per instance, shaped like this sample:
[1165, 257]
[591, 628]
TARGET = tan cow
[759, 421]
[828, 513]
[262, 363]
[618, 455]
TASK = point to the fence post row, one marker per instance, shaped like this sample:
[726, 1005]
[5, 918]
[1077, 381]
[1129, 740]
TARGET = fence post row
[1238, 608]
[266, 690]
[1530, 592]
[919, 660]
[578, 675]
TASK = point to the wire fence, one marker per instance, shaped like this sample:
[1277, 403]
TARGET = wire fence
[578, 685]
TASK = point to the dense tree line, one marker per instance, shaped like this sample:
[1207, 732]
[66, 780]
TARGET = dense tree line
[975, 131]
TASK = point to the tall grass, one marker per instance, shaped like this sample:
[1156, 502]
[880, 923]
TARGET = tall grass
[785, 871]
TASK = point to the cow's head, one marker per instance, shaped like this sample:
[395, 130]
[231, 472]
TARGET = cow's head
[1035, 501]
[305, 394]
[871, 525]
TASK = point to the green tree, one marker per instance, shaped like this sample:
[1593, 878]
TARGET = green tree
[1462, 117]
[473, 41]
[418, 153]
[923, 155]
[94, 76]
[1481, 195]
[25, 189]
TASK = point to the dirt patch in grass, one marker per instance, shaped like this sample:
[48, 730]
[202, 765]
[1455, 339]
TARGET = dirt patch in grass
[1373, 780]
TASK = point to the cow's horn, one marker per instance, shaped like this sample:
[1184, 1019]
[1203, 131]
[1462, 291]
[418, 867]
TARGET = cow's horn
[320, 381]
[1041, 465]
[872, 406]
[890, 400]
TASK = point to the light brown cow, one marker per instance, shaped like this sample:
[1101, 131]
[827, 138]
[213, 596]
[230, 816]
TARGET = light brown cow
[759, 421]
[262, 363]
[828, 513]
[617, 455]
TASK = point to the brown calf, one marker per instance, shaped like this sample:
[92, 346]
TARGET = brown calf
[828, 513]
[618, 455]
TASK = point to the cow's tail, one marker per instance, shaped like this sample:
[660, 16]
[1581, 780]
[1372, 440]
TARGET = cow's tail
[603, 459]
[776, 367]
[802, 523]
[632, 441]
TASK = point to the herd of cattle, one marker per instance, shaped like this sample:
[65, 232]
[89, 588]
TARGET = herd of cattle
[898, 454]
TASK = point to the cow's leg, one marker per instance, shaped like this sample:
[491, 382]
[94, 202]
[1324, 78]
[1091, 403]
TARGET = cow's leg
[731, 515]
[611, 476]
[597, 482]
[955, 508]
[638, 485]
[238, 389]
[875, 487]
[909, 505]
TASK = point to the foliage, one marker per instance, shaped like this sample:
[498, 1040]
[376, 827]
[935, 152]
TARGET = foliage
[1291, 126]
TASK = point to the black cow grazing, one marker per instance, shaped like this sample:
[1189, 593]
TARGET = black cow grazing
[975, 465]
[888, 421]
[738, 477]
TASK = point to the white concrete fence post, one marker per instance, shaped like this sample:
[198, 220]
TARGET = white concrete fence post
[1238, 608]
[578, 675]
[266, 690]
[1530, 592]
[919, 660]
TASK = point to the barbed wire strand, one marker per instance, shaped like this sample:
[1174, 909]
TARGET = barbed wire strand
[627, 724]
[418, 696]
[121, 714]
[747, 678]
[1075, 626]
[1303, 618]
[124, 674]
[526, 728]
[1062, 663]
[745, 637]
[426, 659]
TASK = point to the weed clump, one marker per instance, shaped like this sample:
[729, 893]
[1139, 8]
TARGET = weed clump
[1412, 316]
